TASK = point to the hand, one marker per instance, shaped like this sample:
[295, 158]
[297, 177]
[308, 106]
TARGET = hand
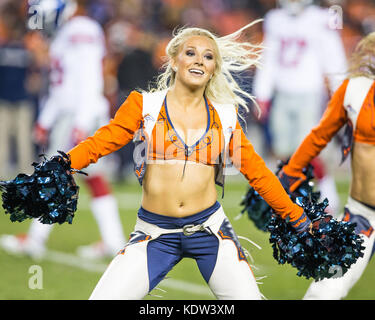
[265, 106]
[40, 135]
[302, 224]
[78, 135]
[290, 183]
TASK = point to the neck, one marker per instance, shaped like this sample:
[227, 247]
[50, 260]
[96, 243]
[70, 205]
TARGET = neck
[185, 97]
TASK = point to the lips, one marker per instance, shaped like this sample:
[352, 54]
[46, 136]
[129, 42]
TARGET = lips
[196, 71]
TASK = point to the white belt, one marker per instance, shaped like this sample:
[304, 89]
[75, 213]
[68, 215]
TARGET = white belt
[154, 231]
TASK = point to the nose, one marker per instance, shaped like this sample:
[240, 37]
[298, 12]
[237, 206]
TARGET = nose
[199, 60]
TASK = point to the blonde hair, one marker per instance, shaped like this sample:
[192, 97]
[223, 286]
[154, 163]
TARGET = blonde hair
[362, 61]
[231, 55]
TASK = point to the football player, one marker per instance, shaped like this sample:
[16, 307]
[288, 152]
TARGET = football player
[74, 109]
[301, 49]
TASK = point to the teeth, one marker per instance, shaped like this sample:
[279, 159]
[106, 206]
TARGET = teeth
[196, 71]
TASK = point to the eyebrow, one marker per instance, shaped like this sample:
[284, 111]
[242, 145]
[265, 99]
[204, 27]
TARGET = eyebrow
[192, 47]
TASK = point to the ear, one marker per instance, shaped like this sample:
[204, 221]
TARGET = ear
[173, 65]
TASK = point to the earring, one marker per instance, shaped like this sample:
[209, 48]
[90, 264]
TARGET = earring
[174, 69]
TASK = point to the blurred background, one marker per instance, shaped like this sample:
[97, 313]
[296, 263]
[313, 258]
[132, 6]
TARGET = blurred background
[136, 33]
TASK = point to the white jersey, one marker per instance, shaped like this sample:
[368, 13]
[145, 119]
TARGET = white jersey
[299, 51]
[76, 76]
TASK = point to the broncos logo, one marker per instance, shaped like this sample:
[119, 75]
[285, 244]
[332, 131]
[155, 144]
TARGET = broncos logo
[135, 237]
[226, 232]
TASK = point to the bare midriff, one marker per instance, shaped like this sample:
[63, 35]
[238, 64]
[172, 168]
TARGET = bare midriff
[363, 173]
[170, 189]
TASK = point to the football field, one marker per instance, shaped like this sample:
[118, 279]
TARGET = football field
[65, 276]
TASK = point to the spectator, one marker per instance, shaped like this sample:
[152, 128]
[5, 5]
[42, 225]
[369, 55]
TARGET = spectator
[16, 110]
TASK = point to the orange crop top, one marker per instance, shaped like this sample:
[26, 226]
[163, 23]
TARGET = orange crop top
[128, 121]
[334, 118]
[168, 145]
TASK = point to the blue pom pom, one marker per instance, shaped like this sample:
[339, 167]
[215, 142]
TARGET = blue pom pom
[257, 209]
[49, 194]
[260, 212]
[332, 245]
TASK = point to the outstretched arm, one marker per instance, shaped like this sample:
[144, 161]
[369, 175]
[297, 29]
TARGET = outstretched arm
[264, 181]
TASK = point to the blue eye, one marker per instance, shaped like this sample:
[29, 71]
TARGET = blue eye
[209, 57]
[190, 53]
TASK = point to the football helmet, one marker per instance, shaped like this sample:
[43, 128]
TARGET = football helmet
[294, 7]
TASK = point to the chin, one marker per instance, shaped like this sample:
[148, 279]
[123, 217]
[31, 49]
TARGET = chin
[195, 85]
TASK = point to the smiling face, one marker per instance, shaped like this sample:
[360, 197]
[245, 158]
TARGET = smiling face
[195, 62]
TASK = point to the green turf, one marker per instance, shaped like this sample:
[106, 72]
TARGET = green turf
[61, 281]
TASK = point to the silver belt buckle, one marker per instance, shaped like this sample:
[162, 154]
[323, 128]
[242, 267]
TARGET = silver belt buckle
[187, 232]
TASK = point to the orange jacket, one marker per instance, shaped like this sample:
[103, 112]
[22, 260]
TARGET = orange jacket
[128, 120]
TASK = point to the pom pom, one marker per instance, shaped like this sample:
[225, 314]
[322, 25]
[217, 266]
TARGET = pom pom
[49, 194]
[260, 212]
[257, 209]
[329, 250]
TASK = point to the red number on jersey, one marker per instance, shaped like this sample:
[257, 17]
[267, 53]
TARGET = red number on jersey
[291, 51]
[56, 74]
